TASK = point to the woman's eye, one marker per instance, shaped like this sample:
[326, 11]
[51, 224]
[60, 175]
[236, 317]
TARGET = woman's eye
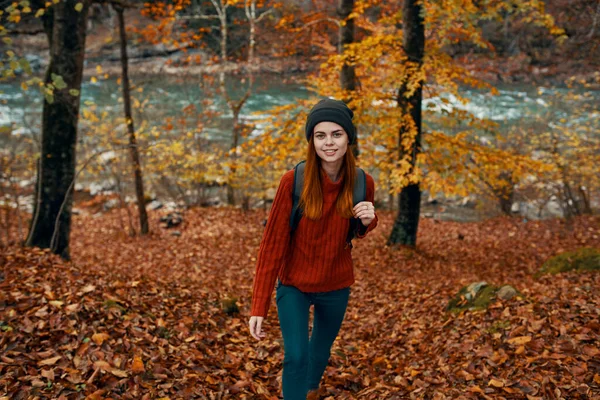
[320, 137]
[337, 134]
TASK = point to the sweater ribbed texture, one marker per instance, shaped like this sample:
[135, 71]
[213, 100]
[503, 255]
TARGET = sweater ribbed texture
[316, 259]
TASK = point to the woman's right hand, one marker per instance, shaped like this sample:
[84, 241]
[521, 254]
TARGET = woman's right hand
[256, 327]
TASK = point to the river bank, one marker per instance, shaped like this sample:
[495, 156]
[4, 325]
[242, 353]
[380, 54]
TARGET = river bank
[145, 59]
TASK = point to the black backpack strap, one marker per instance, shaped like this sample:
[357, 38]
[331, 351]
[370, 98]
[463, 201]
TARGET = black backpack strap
[359, 194]
[296, 213]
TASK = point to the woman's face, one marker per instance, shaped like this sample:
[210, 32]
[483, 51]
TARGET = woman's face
[331, 141]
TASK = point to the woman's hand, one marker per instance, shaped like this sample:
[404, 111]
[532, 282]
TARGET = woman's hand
[365, 211]
[256, 327]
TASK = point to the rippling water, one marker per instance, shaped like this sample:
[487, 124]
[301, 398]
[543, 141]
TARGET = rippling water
[168, 96]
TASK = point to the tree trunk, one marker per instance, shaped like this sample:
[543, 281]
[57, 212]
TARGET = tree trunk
[585, 199]
[51, 223]
[505, 193]
[348, 73]
[237, 127]
[135, 155]
[407, 222]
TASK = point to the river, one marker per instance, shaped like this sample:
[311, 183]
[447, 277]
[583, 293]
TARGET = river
[515, 105]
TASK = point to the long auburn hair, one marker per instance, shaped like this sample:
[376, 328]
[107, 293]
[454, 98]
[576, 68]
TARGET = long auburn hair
[311, 200]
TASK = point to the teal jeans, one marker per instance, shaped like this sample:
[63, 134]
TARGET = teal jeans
[305, 360]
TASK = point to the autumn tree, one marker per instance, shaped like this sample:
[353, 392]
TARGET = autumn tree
[348, 73]
[406, 224]
[221, 8]
[65, 27]
[135, 156]
[408, 152]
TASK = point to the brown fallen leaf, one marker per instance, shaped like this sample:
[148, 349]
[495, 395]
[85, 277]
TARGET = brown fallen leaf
[88, 289]
[103, 365]
[466, 375]
[48, 374]
[118, 372]
[71, 308]
[37, 383]
[97, 395]
[50, 361]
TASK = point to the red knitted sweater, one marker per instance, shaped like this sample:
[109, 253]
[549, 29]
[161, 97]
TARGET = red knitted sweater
[316, 259]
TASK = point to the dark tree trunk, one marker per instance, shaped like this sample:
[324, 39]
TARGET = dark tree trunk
[51, 223]
[585, 200]
[348, 73]
[505, 193]
[135, 155]
[237, 128]
[407, 222]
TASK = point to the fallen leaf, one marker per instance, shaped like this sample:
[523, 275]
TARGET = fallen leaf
[519, 340]
[118, 372]
[137, 366]
[496, 383]
[50, 361]
[475, 389]
[99, 338]
[48, 374]
[88, 289]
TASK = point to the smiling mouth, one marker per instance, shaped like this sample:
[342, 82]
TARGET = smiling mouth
[330, 152]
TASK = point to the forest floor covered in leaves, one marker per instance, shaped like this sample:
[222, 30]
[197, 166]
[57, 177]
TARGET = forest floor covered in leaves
[144, 317]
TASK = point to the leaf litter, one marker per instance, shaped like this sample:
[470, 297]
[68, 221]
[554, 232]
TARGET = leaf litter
[144, 317]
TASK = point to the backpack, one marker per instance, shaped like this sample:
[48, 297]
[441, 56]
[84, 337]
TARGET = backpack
[359, 194]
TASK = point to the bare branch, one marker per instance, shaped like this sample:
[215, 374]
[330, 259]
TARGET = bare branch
[333, 20]
[117, 3]
[595, 21]
[269, 11]
[220, 9]
[24, 32]
[194, 17]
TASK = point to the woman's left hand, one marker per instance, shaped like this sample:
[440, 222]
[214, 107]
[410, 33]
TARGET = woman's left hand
[365, 211]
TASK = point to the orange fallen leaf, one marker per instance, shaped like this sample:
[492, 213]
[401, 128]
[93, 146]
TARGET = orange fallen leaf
[99, 338]
[496, 383]
[137, 366]
[519, 340]
[475, 389]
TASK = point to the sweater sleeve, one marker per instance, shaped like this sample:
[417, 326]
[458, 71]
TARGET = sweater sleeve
[273, 247]
[363, 230]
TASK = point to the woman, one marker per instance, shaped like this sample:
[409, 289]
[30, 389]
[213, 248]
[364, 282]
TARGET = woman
[314, 265]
